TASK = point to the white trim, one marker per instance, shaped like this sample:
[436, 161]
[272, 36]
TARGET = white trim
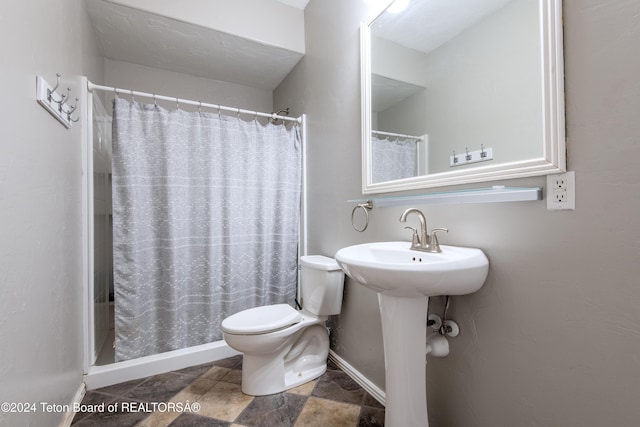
[303, 121]
[86, 106]
[553, 159]
[302, 227]
[375, 391]
[77, 399]
[119, 372]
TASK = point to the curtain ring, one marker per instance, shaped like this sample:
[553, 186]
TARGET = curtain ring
[366, 207]
[133, 99]
[219, 115]
[155, 100]
[200, 107]
[178, 103]
[115, 93]
[238, 114]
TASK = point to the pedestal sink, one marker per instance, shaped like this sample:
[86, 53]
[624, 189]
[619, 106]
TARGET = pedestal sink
[404, 280]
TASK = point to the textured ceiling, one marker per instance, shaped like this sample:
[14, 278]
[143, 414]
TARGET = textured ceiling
[131, 35]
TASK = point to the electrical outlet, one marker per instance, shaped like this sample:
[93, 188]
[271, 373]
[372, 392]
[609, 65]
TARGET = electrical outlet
[561, 191]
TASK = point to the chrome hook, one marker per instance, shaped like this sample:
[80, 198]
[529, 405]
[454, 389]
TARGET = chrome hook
[70, 119]
[57, 82]
[72, 109]
[50, 92]
[63, 100]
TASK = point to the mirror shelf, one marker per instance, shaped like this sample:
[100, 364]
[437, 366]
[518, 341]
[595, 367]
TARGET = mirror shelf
[514, 105]
[497, 193]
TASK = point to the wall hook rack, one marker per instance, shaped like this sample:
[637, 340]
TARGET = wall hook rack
[56, 104]
[484, 154]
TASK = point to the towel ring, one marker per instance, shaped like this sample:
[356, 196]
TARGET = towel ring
[366, 207]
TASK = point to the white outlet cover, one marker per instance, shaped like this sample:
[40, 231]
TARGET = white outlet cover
[564, 183]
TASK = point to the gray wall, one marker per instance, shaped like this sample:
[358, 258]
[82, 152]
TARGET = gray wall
[40, 215]
[552, 338]
[153, 80]
[490, 72]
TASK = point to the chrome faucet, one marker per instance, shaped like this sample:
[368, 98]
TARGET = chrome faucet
[423, 242]
[419, 243]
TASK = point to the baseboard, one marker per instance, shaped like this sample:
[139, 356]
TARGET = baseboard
[77, 399]
[375, 391]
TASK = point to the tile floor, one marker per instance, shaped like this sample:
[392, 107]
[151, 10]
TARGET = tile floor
[333, 400]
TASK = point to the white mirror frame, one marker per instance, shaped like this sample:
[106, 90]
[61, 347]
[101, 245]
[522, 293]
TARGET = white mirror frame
[554, 147]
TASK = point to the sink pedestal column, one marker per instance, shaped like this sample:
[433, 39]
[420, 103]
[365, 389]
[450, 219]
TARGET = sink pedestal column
[404, 332]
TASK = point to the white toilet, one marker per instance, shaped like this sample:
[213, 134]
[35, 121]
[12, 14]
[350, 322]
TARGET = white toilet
[283, 347]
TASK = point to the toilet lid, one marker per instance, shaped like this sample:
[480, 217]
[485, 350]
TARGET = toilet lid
[261, 320]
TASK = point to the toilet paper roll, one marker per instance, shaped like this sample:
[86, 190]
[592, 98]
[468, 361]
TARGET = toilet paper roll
[437, 345]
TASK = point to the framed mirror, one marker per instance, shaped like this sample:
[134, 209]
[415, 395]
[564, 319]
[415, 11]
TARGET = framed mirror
[457, 92]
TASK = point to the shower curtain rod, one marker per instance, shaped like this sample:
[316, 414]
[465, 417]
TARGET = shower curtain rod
[92, 86]
[400, 135]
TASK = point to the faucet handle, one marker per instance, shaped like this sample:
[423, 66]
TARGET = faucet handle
[434, 245]
[415, 239]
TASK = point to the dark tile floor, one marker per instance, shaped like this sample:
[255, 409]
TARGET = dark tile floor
[210, 395]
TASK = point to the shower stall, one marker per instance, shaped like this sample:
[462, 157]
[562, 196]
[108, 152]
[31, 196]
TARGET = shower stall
[101, 367]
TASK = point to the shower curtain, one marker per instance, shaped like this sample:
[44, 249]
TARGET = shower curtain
[206, 222]
[393, 159]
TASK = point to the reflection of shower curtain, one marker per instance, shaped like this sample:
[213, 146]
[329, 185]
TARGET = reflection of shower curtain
[206, 212]
[392, 159]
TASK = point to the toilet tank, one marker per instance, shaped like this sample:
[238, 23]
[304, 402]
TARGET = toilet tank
[321, 285]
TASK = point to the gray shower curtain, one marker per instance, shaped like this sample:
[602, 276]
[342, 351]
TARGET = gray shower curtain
[393, 159]
[206, 222]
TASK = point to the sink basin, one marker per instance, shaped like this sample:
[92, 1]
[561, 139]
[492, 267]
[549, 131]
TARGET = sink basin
[391, 268]
[404, 280]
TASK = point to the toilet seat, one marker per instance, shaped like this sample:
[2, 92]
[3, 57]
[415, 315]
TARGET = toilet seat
[261, 320]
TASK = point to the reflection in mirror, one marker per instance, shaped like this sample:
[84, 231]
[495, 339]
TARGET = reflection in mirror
[461, 91]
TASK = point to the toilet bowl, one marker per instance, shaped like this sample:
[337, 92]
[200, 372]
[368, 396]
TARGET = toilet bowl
[283, 347]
